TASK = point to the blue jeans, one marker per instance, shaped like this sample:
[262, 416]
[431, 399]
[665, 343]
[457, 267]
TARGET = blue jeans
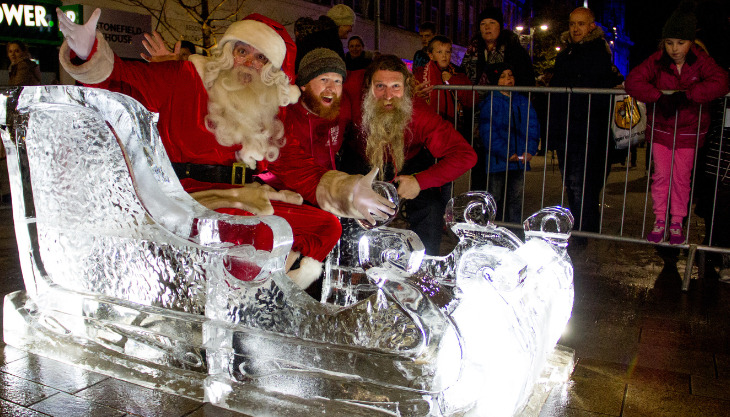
[512, 211]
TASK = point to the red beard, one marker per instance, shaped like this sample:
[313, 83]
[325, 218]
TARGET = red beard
[316, 104]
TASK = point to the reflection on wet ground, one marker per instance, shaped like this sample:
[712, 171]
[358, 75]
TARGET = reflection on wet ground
[643, 347]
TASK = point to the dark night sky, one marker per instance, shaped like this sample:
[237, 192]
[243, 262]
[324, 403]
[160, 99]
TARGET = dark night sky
[644, 19]
[644, 22]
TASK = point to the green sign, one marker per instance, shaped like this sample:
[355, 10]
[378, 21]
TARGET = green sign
[32, 21]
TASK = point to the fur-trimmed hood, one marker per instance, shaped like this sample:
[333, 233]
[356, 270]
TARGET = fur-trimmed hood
[596, 33]
[593, 35]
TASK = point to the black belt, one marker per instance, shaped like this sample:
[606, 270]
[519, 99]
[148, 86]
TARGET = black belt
[236, 174]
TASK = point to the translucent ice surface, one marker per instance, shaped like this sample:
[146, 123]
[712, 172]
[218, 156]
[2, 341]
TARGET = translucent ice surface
[129, 276]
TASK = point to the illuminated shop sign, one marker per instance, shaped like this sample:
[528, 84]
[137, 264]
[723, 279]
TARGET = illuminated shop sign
[30, 21]
[23, 15]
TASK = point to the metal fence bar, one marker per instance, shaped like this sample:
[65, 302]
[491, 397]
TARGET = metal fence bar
[694, 174]
[725, 122]
[648, 171]
[546, 150]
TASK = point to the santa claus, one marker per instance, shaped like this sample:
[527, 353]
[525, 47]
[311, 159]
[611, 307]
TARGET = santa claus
[219, 115]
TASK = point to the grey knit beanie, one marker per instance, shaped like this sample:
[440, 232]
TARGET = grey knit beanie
[342, 15]
[317, 62]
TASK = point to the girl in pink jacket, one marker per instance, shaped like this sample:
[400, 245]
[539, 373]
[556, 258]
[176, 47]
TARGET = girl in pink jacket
[678, 65]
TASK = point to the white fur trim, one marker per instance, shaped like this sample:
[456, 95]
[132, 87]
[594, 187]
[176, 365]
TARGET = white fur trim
[294, 93]
[309, 270]
[199, 62]
[97, 69]
[259, 35]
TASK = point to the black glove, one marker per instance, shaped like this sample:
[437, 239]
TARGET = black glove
[668, 105]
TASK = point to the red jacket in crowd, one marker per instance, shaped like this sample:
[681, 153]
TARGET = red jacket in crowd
[442, 101]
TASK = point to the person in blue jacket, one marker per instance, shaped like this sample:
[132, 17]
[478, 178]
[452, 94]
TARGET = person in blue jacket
[510, 132]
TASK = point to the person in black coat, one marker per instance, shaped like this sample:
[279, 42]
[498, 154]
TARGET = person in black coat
[585, 61]
[325, 32]
[491, 45]
[501, 45]
[357, 57]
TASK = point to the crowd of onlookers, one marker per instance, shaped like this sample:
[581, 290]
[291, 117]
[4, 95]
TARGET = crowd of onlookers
[359, 110]
[692, 60]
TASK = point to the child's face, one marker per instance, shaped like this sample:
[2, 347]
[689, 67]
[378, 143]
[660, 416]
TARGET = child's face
[677, 49]
[506, 78]
[441, 54]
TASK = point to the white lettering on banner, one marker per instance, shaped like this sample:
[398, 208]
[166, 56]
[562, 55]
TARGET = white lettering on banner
[40, 16]
[24, 15]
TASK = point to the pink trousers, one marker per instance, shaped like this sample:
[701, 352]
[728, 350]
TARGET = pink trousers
[680, 175]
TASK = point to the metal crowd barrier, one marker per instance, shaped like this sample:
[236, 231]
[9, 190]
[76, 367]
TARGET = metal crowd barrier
[625, 202]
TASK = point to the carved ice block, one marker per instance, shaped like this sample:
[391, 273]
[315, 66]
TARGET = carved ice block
[129, 276]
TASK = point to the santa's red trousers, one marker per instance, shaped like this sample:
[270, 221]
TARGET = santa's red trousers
[315, 231]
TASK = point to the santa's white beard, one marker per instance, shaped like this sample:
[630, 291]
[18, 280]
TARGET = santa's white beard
[243, 110]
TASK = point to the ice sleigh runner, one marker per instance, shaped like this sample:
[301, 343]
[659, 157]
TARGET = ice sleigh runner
[126, 275]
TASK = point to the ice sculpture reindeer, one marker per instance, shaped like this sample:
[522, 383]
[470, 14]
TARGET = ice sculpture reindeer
[127, 275]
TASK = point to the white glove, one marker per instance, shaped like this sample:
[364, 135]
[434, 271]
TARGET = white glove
[368, 202]
[80, 38]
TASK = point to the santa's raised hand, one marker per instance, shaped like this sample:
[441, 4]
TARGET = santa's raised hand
[80, 38]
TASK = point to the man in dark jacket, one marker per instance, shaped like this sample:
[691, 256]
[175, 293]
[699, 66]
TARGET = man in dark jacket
[581, 129]
[325, 32]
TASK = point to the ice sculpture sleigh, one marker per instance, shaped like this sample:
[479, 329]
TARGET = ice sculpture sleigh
[126, 275]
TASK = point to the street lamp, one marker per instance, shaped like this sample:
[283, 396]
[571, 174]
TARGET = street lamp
[528, 39]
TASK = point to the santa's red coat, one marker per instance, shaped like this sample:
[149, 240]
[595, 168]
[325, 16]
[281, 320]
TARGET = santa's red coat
[175, 90]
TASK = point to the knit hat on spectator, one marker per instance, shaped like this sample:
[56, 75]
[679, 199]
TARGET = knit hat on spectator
[491, 13]
[682, 24]
[494, 71]
[342, 15]
[317, 62]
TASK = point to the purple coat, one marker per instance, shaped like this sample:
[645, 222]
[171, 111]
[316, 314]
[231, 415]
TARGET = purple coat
[701, 78]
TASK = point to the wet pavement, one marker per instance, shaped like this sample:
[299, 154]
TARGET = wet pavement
[643, 347]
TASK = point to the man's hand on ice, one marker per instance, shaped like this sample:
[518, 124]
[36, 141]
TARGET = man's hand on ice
[368, 202]
[408, 186]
